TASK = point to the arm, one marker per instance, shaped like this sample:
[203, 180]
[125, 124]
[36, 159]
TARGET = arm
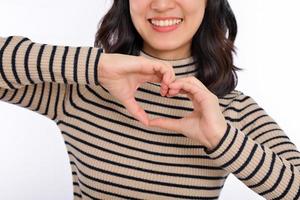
[259, 153]
[35, 76]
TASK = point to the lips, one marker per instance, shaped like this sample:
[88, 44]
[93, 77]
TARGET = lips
[163, 21]
[165, 24]
[165, 18]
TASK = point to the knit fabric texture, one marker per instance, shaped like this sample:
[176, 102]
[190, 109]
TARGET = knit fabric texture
[113, 156]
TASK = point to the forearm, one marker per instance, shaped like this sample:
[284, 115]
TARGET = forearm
[216, 137]
[23, 62]
[257, 166]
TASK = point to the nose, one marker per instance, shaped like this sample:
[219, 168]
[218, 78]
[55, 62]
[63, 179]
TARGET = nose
[162, 5]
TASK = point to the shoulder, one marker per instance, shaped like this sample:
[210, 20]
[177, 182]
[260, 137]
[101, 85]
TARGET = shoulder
[237, 99]
[240, 108]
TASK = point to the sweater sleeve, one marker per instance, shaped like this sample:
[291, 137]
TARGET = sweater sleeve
[36, 76]
[259, 153]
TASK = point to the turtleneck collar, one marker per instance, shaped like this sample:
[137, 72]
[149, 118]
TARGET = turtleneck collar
[182, 67]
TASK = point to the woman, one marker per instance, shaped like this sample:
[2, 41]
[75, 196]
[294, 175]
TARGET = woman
[169, 64]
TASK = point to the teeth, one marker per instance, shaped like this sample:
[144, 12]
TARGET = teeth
[169, 22]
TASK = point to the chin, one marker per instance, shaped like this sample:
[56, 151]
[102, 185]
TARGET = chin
[164, 46]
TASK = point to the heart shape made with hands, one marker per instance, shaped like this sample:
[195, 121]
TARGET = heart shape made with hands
[205, 124]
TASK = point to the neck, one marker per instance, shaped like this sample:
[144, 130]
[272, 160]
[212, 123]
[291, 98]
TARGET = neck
[168, 55]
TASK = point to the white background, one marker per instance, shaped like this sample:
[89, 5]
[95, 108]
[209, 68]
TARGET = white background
[33, 159]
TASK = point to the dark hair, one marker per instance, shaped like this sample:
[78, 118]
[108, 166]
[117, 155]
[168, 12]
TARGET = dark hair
[212, 44]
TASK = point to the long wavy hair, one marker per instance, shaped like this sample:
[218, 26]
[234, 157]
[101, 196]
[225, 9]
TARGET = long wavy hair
[212, 44]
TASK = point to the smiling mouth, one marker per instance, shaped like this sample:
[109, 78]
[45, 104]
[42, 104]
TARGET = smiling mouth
[165, 22]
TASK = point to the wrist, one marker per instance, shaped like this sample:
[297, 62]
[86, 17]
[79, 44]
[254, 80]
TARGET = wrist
[214, 141]
[215, 138]
[103, 67]
[101, 63]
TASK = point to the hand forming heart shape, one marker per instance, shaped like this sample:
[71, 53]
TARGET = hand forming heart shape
[206, 123]
[122, 74]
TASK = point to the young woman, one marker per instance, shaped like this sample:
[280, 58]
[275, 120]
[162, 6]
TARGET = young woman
[169, 64]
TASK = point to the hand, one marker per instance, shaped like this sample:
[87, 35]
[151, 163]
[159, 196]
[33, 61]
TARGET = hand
[122, 74]
[206, 123]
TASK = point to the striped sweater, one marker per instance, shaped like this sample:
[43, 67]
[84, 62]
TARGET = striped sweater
[113, 156]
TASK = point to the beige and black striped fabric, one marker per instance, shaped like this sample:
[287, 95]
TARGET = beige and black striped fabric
[113, 156]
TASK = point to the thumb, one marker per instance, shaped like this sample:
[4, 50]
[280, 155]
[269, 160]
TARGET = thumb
[136, 111]
[166, 123]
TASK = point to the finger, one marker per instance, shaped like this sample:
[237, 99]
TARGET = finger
[148, 66]
[166, 70]
[165, 75]
[178, 86]
[192, 80]
[191, 90]
[155, 79]
[168, 77]
[163, 70]
[171, 75]
[166, 123]
[164, 89]
[174, 92]
[150, 78]
[136, 111]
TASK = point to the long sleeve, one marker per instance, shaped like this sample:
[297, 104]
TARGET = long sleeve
[36, 76]
[258, 152]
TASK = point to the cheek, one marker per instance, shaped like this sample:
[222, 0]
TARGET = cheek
[194, 8]
[137, 13]
[137, 9]
[195, 18]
